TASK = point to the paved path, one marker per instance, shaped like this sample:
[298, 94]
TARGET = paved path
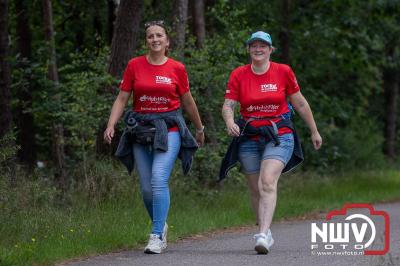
[292, 247]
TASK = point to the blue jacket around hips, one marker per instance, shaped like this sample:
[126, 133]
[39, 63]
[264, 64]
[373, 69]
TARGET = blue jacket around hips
[267, 134]
[160, 121]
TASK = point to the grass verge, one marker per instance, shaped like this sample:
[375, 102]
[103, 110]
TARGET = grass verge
[44, 236]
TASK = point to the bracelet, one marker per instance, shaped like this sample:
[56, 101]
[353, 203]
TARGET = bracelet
[201, 130]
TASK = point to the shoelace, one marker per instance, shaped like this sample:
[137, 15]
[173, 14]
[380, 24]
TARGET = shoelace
[257, 236]
[154, 238]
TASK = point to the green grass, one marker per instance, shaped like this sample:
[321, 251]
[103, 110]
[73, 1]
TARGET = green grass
[302, 194]
[45, 236]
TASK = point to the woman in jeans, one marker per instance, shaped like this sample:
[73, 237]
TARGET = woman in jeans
[263, 89]
[159, 84]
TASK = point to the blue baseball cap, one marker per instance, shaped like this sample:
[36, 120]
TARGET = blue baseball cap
[260, 36]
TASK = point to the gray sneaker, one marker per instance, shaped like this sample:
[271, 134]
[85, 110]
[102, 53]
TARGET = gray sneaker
[164, 235]
[155, 245]
[263, 242]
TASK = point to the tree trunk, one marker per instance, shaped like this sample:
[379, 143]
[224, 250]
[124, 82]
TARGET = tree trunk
[5, 72]
[24, 120]
[123, 47]
[97, 23]
[199, 22]
[391, 88]
[285, 30]
[111, 20]
[180, 27]
[125, 36]
[5, 95]
[58, 129]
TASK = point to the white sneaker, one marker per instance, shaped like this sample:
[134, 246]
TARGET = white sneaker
[263, 242]
[164, 235]
[155, 245]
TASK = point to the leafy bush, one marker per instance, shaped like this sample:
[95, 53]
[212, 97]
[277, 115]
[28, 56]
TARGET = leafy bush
[8, 149]
[79, 103]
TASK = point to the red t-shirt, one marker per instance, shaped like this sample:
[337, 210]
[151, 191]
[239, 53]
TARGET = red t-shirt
[262, 95]
[156, 88]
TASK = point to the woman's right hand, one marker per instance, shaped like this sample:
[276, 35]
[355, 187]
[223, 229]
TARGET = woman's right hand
[316, 140]
[116, 112]
[233, 129]
[109, 134]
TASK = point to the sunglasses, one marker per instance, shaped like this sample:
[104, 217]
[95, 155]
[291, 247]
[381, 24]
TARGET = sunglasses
[154, 23]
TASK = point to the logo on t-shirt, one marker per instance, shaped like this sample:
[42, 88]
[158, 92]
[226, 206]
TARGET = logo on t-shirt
[269, 108]
[269, 87]
[163, 80]
[154, 99]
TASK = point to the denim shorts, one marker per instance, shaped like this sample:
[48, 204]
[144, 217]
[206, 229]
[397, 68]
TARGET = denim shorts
[251, 153]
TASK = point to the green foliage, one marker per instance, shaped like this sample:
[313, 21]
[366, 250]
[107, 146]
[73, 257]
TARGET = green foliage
[209, 70]
[25, 194]
[335, 61]
[338, 61]
[98, 180]
[357, 146]
[84, 103]
[8, 149]
[78, 102]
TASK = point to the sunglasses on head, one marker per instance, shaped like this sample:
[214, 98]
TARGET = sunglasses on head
[154, 23]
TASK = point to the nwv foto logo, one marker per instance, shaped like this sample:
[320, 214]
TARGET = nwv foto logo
[355, 232]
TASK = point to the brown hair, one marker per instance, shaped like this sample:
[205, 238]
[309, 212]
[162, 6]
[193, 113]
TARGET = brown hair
[161, 24]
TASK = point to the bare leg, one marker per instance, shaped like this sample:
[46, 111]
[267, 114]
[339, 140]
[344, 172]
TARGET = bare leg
[252, 182]
[270, 171]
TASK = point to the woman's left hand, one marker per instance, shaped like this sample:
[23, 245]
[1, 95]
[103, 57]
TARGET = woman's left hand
[200, 138]
[316, 140]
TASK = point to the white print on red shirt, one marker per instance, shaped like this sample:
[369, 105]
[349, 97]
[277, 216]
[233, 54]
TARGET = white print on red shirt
[268, 108]
[154, 99]
[163, 80]
[269, 87]
[154, 108]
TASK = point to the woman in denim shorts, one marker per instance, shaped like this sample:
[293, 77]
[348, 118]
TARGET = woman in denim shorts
[263, 89]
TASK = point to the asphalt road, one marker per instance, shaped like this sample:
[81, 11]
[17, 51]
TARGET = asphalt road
[292, 247]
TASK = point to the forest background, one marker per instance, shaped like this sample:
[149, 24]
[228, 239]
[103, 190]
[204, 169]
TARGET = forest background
[61, 63]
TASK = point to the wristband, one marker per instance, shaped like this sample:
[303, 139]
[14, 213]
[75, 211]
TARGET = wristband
[201, 130]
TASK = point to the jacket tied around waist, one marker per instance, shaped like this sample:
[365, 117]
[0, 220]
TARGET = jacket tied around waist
[266, 134]
[161, 122]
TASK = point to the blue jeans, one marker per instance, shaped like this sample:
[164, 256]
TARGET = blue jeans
[251, 153]
[154, 169]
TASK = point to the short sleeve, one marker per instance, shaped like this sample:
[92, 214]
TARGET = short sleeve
[292, 85]
[232, 88]
[182, 80]
[127, 79]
